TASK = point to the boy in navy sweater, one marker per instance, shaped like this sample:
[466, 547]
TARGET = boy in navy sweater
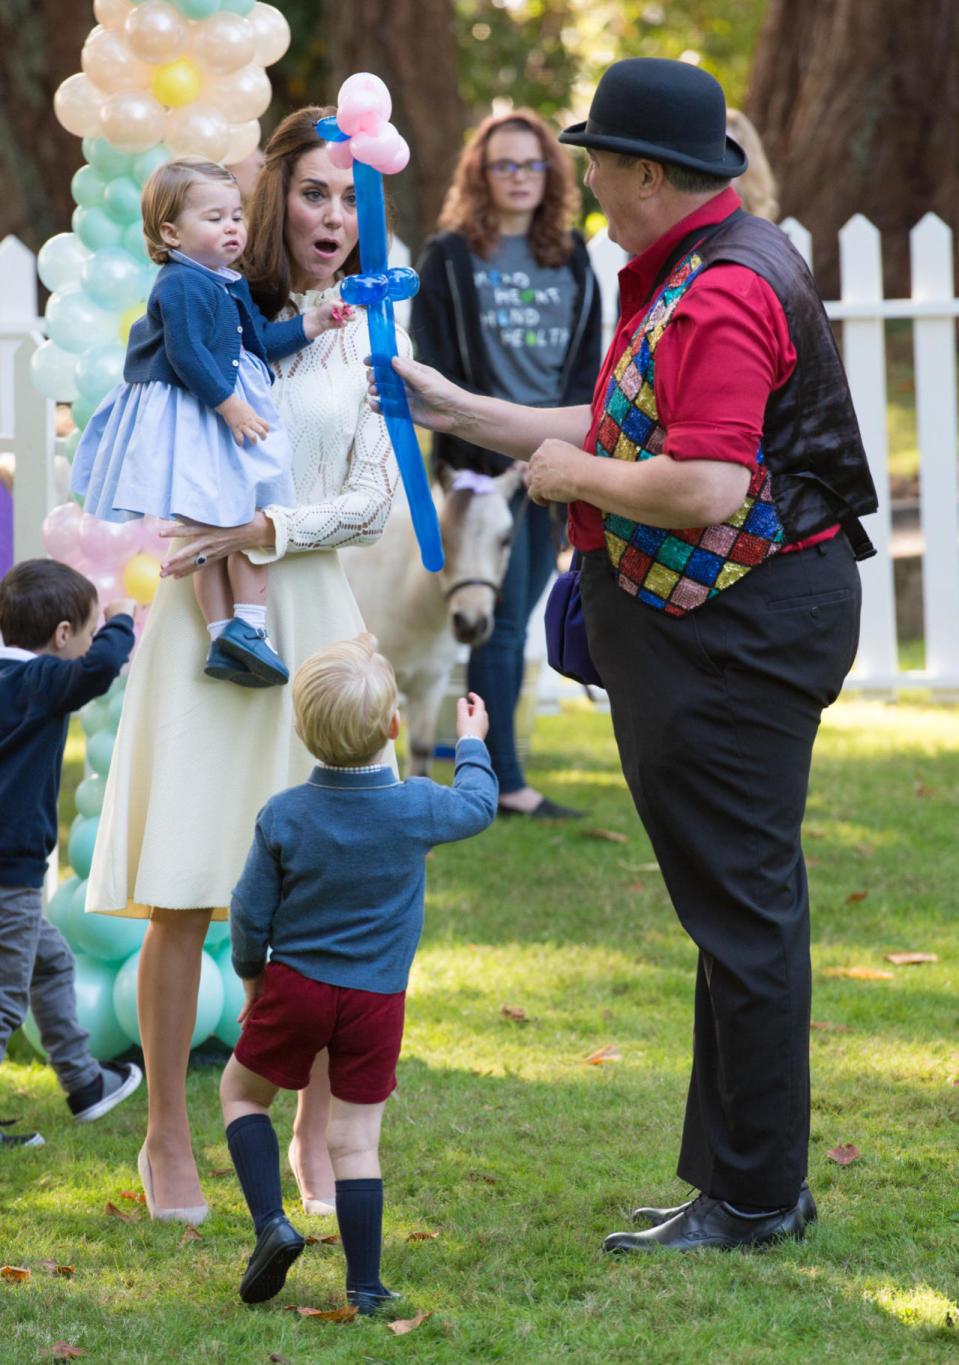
[334, 887]
[51, 663]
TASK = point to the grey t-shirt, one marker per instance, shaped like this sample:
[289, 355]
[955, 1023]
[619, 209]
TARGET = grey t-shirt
[526, 313]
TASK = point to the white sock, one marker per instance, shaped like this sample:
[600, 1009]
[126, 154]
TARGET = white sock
[216, 628]
[252, 613]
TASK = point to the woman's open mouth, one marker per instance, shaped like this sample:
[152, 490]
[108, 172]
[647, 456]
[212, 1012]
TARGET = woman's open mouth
[326, 247]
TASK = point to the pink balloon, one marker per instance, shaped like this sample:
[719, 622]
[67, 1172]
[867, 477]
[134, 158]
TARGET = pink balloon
[340, 155]
[151, 542]
[364, 93]
[107, 544]
[108, 585]
[384, 150]
[59, 530]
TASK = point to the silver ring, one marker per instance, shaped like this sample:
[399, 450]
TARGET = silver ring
[200, 561]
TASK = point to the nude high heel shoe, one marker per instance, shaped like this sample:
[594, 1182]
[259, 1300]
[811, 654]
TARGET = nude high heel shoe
[193, 1215]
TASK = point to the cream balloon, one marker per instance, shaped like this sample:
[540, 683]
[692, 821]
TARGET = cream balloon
[77, 105]
[112, 13]
[131, 120]
[198, 130]
[244, 140]
[272, 33]
[157, 32]
[222, 43]
[107, 60]
[243, 95]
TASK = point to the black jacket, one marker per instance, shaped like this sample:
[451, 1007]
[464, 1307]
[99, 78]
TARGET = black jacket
[446, 334]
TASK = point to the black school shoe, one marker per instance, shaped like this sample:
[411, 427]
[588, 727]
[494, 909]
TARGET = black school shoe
[277, 1247]
[115, 1082]
[655, 1216]
[20, 1140]
[712, 1223]
[366, 1304]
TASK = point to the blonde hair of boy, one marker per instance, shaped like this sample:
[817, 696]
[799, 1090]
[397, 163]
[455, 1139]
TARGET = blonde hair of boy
[344, 698]
[165, 195]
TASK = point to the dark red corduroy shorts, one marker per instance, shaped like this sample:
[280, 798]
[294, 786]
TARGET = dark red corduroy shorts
[295, 1018]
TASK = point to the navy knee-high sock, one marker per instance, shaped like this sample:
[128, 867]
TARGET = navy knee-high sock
[256, 1158]
[359, 1212]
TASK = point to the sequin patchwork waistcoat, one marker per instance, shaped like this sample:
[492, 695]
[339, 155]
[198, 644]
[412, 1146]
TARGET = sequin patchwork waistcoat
[674, 571]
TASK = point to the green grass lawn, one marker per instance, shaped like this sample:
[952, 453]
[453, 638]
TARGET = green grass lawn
[520, 1156]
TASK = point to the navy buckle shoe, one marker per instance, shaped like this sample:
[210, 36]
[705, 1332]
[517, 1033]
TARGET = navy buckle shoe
[250, 646]
[223, 666]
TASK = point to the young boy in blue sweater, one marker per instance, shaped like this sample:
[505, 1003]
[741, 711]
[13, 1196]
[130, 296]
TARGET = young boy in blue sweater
[334, 887]
[51, 663]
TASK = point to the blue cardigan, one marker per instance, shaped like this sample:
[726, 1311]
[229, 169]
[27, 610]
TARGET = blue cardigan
[335, 880]
[195, 324]
[37, 694]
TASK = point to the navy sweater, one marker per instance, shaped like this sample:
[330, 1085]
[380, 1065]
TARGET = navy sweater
[335, 880]
[37, 694]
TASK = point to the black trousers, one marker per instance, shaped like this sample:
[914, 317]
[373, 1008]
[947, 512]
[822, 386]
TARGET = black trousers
[715, 714]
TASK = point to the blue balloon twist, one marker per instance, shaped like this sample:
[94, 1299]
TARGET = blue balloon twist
[375, 289]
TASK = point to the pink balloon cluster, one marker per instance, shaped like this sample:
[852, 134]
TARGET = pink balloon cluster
[363, 108]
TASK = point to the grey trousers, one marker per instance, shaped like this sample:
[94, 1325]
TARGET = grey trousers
[36, 972]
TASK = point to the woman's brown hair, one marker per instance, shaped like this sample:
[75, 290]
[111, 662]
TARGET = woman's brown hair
[265, 262]
[468, 207]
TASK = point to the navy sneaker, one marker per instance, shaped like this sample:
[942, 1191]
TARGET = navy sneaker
[221, 665]
[115, 1081]
[20, 1140]
[251, 646]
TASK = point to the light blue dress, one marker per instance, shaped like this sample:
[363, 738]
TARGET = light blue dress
[155, 448]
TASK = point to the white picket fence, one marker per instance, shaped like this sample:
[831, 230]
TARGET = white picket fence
[27, 427]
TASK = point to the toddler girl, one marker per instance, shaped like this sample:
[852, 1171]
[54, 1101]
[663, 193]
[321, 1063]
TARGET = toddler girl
[192, 432]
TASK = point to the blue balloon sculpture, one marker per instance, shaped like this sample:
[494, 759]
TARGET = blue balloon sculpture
[375, 289]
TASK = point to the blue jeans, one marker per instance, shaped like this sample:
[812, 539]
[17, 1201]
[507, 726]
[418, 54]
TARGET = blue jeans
[496, 669]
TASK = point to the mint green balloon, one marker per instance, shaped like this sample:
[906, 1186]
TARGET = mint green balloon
[114, 279]
[122, 199]
[105, 158]
[241, 7]
[60, 260]
[100, 751]
[89, 795]
[96, 228]
[217, 933]
[81, 410]
[74, 321]
[70, 445]
[93, 982]
[147, 162]
[94, 716]
[87, 187]
[135, 243]
[197, 9]
[58, 908]
[234, 997]
[51, 370]
[83, 836]
[111, 938]
[99, 370]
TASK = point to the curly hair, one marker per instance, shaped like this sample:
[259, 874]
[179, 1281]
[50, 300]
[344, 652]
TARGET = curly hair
[468, 207]
[266, 262]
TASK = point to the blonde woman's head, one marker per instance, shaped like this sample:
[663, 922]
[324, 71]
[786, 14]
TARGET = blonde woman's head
[344, 700]
[756, 186]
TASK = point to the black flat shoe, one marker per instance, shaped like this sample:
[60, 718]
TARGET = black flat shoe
[277, 1247]
[656, 1216]
[712, 1223]
[368, 1304]
[546, 810]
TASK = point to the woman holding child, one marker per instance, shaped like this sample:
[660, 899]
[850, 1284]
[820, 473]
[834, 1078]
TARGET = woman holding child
[195, 761]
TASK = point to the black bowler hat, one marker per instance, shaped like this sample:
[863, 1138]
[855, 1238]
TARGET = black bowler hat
[666, 110]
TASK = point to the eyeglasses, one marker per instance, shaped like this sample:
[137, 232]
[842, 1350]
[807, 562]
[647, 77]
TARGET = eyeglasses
[505, 168]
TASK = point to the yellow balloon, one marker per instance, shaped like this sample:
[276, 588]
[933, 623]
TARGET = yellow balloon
[141, 578]
[128, 318]
[176, 83]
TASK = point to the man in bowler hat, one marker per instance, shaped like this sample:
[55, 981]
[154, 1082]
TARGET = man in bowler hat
[715, 486]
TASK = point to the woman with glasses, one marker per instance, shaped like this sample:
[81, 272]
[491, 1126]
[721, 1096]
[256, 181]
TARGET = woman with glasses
[509, 306]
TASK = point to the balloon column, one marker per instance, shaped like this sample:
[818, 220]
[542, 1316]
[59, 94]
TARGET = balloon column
[160, 78]
[362, 137]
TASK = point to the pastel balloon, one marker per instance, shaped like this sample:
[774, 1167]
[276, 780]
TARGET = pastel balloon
[176, 83]
[111, 938]
[363, 90]
[80, 848]
[111, 13]
[242, 95]
[111, 65]
[216, 934]
[141, 578]
[132, 120]
[74, 321]
[146, 163]
[157, 32]
[59, 903]
[115, 708]
[109, 543]
[95, 227]
[271, 33]
[51, 370]
[60, 260]
[70, 445]
[113, 279]
[94, 716]
[384, 150]
[151, 542]
[223, 43]
[197, 129]
[244, 139]
[105, 159]
[81, 410]
[238, 6]
[60, 530]
[198, 9]
[128, 317]
[340, 155]
[99, 370]
[76, 104]
[89, 797]
[87, 187]
[122, 199]
[93, 984]
[100, 751]
[134, 242]
[234, 996]
[209, 999]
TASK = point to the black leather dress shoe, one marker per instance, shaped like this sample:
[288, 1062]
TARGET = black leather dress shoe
[367, 1303]
[712, 1223]
[655, 1216]
[277, 1247]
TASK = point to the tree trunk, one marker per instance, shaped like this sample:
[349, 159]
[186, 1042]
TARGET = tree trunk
[857, 102]
[40, 42]
[412, 48]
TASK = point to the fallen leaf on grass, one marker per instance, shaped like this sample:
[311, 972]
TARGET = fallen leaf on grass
[401, 1326]
[190, 1234]
[486, 1179]
[221, 1170]
[422, 1236]
[812, 861]
[609, 1053]
[52, 1268]
[346, 1314]
[62, 1350]
[856, 896]
[907, 959]
[836, 1028]
[636, 886]
[922, 790]
[114, 1212]
[15, 1274]
[648, 867]
[844, 1155]
[332, 1239]
[132, 1194]
[613, 836]
[513, 1012]
[866, 850]
[278, 1359]
[860, 973]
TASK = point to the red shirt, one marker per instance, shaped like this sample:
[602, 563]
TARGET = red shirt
[726, 348]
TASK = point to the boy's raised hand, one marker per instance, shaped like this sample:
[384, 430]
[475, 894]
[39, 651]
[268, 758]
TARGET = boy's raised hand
[471, 717]
[123, 606]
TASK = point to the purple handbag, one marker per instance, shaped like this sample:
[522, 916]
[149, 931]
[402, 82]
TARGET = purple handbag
[567, 650]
